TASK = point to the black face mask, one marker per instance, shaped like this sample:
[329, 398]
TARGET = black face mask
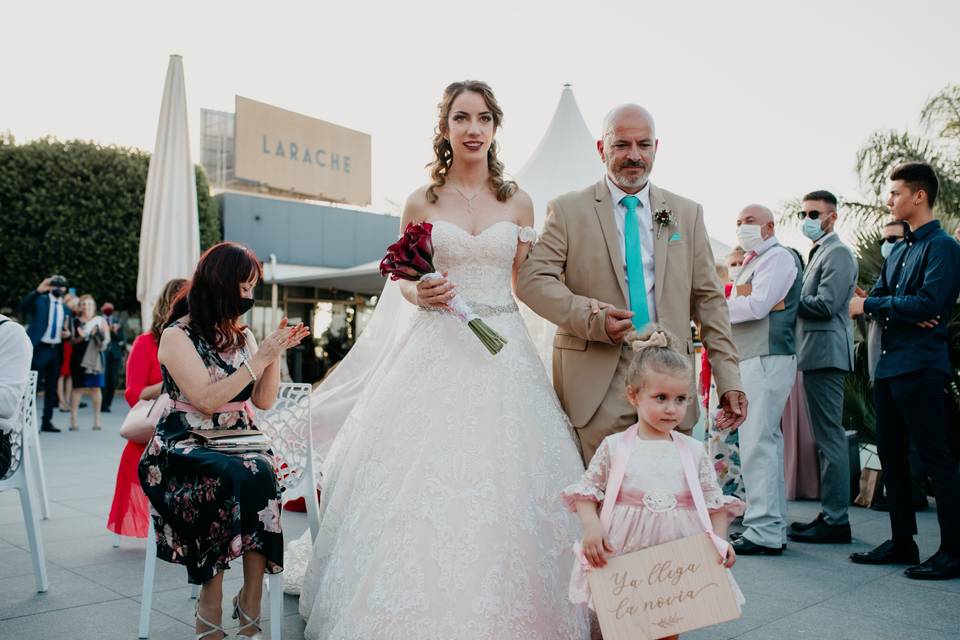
[57, 292]
[245, 305]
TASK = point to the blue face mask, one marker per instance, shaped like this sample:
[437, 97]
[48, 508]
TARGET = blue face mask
[885, 249]
[811, 229]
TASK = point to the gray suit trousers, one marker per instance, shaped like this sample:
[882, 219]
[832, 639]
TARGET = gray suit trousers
[824, 389]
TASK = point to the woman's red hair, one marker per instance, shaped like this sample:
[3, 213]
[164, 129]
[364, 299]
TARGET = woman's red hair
[212, 297]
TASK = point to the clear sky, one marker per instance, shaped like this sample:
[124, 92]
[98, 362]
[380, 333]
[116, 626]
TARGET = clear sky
[755, 101]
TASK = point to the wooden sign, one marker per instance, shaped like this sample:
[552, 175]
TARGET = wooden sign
[662, 591]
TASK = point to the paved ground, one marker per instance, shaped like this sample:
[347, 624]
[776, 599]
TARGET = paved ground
[809, 592]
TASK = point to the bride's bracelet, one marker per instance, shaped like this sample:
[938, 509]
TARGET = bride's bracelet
[249, 369]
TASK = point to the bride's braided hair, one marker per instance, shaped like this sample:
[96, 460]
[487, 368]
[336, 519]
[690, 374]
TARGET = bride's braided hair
[443, 151]
[657, 351]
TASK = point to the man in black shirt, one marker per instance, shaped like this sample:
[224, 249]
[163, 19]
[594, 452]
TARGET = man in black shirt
[914, 297]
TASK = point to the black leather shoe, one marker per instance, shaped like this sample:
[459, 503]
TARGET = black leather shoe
[887, 553]
[939, 566]
[735, 536]
[823, 533]
[49, 428]
[803, 526]
[744, 547]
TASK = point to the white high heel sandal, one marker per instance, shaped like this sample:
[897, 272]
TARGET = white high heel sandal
[241, 615]
[213, 627]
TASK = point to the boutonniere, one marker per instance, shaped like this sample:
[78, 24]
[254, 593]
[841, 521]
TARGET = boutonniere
[664, 218]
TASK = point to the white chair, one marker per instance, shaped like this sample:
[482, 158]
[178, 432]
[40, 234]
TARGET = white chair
[21, 477]
[288, 425]
[32, 442]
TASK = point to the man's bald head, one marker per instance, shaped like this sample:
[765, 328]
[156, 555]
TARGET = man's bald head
[757, 212]
[628, 146]
[628, 114]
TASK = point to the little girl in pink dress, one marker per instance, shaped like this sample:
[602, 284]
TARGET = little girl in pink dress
[654, 504]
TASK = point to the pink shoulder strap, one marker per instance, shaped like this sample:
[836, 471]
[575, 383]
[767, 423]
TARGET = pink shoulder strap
[693, 483]
[618, 469]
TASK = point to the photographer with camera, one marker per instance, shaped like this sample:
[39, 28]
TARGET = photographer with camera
[47, 316]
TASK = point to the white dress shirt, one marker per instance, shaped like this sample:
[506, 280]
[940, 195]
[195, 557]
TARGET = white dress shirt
[773, 275]
[645, 219]
[54, 319]
[15, 355]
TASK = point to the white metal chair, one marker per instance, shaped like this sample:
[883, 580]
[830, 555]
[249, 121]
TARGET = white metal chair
[21, 477]
[288, 425]
[32, 442]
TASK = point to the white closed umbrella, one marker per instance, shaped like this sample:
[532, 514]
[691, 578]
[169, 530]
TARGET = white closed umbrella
[170, 230]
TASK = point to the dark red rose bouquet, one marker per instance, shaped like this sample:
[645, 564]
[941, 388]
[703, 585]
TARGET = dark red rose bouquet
[411, 258]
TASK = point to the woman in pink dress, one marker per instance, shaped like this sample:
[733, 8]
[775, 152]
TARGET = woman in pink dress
[130, 513]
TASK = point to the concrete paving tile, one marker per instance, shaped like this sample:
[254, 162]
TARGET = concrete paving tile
[126, 576]
[801, 582]
[79, 490]
[14, 514]
[817, 622]
[760, 609]
[90, 550]
[104, 621]
[19, 597]
[98, 506]
[57, 529]
[899, 599]
[14, 562]
[293, 626]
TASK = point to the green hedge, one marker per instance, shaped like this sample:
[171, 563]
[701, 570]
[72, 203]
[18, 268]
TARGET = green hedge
[75, 208]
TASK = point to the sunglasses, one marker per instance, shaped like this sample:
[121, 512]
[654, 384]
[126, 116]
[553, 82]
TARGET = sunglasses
[813, 214]
[891, 239]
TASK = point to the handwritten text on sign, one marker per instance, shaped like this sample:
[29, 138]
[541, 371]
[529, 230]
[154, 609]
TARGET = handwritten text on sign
[662, 591]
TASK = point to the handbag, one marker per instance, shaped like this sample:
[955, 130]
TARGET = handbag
[141, 421]
[232, 440]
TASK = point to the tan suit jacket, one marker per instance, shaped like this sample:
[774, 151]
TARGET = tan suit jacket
[578, 257]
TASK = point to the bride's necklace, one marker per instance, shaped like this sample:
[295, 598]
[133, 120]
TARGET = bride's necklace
[470, 199]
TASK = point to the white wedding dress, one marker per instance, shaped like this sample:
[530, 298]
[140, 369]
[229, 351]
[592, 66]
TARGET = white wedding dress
[440, 511]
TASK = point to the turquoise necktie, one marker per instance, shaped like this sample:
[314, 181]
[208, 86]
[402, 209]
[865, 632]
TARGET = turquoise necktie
[635, 280]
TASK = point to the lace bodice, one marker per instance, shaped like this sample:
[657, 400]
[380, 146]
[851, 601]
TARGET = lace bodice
[480, 266]
[653, 470]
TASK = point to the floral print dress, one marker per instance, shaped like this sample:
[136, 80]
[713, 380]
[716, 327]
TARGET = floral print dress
[210, 507]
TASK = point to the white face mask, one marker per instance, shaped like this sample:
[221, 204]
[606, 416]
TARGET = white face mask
[734, 273]
[749, 236]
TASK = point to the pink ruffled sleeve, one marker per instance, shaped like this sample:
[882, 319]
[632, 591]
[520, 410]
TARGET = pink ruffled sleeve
[713, 494]
[592, 483]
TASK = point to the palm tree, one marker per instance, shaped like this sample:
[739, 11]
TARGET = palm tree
[937, 144]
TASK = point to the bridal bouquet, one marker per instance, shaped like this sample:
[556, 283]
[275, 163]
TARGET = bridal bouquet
[411, 258]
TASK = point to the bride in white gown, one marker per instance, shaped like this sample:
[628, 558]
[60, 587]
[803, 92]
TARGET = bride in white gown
[440, 515]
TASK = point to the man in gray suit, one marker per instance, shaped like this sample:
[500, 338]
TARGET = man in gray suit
[825, 350]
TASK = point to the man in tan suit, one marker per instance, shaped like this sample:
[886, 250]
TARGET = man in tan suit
[580, 259]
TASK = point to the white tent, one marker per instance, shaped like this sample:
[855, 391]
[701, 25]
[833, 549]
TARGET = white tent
[566, 158]
[170, 230]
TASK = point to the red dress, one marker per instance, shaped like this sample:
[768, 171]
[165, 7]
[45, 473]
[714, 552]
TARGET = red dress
[130, 511]
[65, 366]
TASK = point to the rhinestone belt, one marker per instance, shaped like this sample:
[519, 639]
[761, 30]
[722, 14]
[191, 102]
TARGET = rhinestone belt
[482, 310]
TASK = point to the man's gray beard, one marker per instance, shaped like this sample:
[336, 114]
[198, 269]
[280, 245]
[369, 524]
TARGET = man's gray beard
[626, 183]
